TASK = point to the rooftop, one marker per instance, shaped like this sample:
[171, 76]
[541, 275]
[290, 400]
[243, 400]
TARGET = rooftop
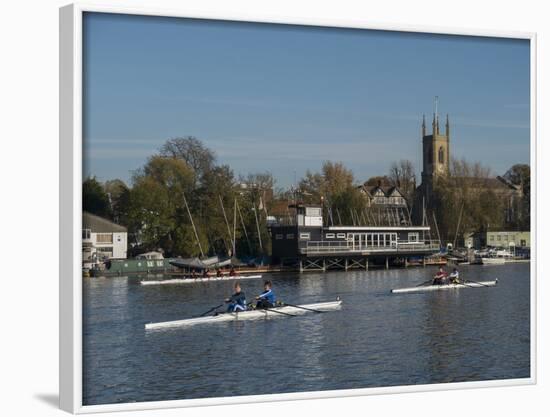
[100, 225]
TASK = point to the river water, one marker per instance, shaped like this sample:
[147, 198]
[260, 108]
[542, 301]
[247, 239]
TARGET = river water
[377, 338]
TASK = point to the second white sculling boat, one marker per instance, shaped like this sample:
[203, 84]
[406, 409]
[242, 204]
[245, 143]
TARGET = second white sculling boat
[284, 311]
[197, 280]
[467, 284]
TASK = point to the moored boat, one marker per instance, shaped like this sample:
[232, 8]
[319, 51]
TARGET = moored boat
[191, 280]
[200, 264]
[466, 284]
[283, 311]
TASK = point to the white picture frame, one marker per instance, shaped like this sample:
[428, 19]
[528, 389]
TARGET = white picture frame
[70, 153]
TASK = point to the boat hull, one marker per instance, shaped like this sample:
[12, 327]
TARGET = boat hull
[248, 315]
[198, 280]
[493, 261]
[429, 288]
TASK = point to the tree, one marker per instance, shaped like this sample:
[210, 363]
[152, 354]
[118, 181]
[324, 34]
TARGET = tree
[337, 178]
[255, 197]
[378, 180]
[350, 203]
[465, 201]
[520, 175]
[118, 194]
[333, 179]
[193, 152]
[157, 213]
[312, 187]
[217, 189]
[94, 198]
[402, 176]
[151, 217]
[335, 185]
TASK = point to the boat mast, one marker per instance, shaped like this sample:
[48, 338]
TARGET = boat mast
[353, 219]
[227, 224]
[409, 213]
[437, 229]
[458, 225]
[244, 228]
[258, 227]
[193, 224]
[234, 226]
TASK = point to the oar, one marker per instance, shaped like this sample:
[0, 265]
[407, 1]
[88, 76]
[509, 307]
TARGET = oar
[303, 308]
[425, 282]
[213, 308]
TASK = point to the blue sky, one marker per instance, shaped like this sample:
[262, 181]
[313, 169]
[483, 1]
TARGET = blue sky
[285, 98]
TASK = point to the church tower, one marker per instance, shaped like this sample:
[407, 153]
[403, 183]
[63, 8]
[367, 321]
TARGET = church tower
[435, 150]
[435, 156]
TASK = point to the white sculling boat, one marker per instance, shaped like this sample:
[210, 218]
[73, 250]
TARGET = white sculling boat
[467, 284]
[199, 279]
[284, 311]
[493, 261]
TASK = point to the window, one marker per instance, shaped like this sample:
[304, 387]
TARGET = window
[498, 238]
[341, 235]
[104, 238]
[278, 237]
[290, 236]
[105, 252]
[330, 236]
[313, 211]
[413, 237]
[86, 233]
[304, 236]
[441, 155]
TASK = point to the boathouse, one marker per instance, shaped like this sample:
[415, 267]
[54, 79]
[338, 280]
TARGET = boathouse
[305, 240]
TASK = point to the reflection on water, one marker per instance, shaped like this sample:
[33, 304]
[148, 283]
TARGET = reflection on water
[376, 339]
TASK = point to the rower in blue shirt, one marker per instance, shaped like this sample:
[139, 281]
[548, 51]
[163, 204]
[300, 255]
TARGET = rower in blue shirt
[267, 298]
[454, 278]
[237, 302]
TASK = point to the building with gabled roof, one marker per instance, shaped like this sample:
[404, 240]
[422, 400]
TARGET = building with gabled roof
[383, 195]
[102, 239]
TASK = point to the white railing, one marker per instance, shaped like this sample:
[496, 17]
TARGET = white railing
[322, 247]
